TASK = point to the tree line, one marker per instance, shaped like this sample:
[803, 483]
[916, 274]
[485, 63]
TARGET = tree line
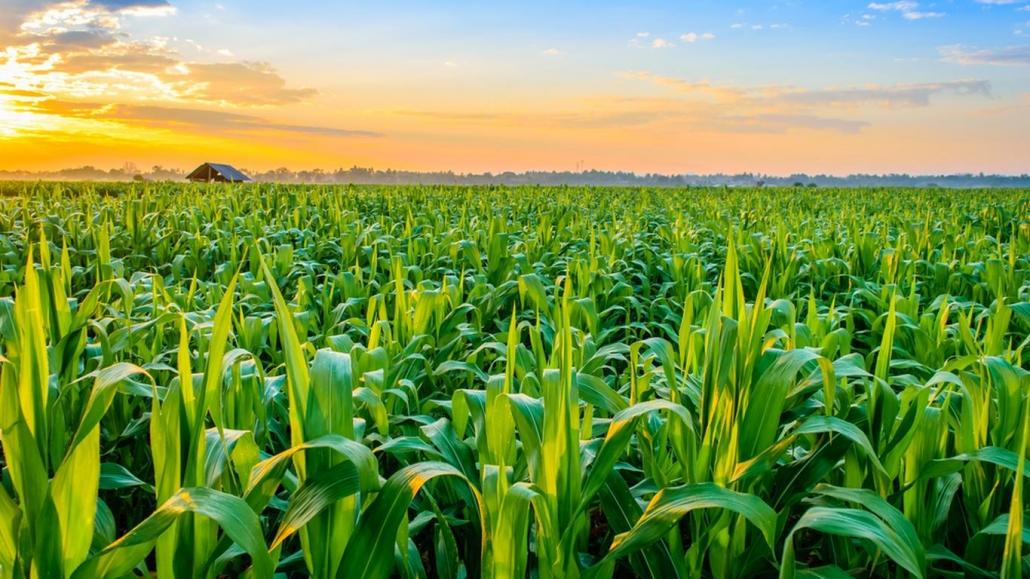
[367, 175]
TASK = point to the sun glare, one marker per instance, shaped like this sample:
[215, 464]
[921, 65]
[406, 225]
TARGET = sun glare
[15, 121]
[10, 120]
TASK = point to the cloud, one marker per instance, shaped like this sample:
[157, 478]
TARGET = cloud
[14, 93]
[219, 120]
[891, 96]
[775, 109]
[77, 49]
[719, 93]
[206, 121]
[116, 5]
[243, 83]
[551, 52]
[11, 17]
[70, 70]
[638, 40]
[641, 40]
[894, 96]
[703, 106]
[650, 115]
[1008, 56]
[692, 37]
[69, 16]
[80, 39]
[999, 2]
[43, 19]
[758, 26]
[908, 9]
[122, 58]
[79, 25]
[779, 123]
[863, 19]
[916, 15]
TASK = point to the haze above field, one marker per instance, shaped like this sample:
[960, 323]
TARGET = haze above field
[770, 87]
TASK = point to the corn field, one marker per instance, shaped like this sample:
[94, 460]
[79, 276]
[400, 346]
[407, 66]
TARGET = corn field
[259, 381]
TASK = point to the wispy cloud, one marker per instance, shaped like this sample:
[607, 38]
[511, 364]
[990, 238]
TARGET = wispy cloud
[758, 26]
[551, 52]
[643, 39]
[785, 108]
[692, 37]
[706, 107]
[206, 121]
[864, 19]
[908, 9]
[644, 114]
[129, 4]
[778, 123]
[639, 39]
[888, 96]
[241, 83]
[1008, 56]
[891, 96]
[703, 88]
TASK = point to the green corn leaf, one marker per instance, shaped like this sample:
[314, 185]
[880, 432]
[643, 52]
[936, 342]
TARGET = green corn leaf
[859, 525]
[671, 504]
[832, 424]
[315, 495]
[370, 552]
[231, 513]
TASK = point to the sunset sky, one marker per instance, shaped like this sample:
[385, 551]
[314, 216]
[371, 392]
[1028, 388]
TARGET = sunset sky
[671, 87]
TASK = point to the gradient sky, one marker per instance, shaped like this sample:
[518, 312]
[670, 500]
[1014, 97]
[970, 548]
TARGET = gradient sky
[672, 87]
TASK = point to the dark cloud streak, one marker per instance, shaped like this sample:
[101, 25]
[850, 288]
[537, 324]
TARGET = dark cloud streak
[221, 120]
[916, 95]
[115, 5]
[649, 114]
[1008, 56]
[198, 120]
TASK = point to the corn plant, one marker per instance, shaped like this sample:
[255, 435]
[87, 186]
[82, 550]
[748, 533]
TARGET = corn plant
[265, 380]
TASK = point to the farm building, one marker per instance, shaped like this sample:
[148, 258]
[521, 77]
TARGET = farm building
[218, 173]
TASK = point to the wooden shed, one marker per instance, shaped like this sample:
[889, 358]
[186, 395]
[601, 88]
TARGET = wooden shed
[217, 173]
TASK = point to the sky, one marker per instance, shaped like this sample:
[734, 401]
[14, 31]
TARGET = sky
[834, 86]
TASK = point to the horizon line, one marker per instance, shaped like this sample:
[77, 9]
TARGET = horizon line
[125, 170]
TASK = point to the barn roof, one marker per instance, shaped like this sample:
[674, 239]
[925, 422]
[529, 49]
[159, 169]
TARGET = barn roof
[229, 172]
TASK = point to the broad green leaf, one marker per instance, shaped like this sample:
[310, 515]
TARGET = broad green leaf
[231, 513]
[370, 552]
